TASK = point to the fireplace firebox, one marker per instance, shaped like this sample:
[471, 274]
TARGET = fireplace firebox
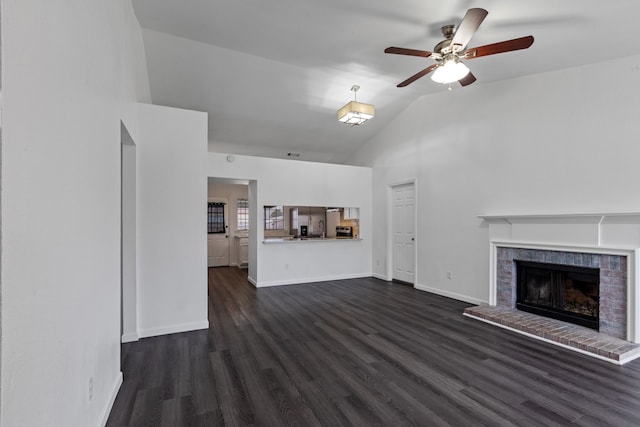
[563, 292]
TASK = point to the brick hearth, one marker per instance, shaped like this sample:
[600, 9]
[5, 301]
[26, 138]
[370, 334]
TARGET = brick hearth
[575, 337]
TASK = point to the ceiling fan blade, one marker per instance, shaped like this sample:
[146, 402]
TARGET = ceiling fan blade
[467, 28]
[417, 75]
[500, 47]
[410, 52]
[467, 80]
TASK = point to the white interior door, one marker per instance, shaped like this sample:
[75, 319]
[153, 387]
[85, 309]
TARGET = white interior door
[218, 243]
[403, 220]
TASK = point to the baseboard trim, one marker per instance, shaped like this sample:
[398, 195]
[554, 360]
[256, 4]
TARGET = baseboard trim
[129, 337]
[173, 329]
[252, 281]
[381, 277]
[300, 281]
[114, 393]
[452, 295]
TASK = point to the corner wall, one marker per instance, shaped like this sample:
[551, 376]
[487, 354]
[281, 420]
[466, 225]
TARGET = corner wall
[560, 142]
[172, 220]
[128, 243]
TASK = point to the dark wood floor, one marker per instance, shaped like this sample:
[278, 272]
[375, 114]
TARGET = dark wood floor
[361, 352]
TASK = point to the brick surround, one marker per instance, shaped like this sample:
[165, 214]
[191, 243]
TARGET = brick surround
[613, 281]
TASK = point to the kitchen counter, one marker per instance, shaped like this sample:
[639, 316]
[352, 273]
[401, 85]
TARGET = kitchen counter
[308, 239]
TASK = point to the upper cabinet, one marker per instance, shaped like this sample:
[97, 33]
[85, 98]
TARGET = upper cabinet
[351, 213]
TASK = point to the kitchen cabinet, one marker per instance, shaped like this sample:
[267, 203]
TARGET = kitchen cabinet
[242, 246]
[351, 213]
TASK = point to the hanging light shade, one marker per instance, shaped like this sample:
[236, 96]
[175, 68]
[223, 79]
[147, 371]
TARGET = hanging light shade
[449, 72]
[355, 113]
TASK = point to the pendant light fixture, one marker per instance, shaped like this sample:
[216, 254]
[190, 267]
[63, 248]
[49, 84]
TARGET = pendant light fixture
[355, 113]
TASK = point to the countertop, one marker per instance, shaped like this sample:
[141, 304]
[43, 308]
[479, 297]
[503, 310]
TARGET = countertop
[308, 239]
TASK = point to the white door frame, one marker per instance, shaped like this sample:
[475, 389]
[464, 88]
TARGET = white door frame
[389, 233]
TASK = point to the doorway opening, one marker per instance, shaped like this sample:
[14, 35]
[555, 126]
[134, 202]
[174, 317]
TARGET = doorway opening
[234, 199]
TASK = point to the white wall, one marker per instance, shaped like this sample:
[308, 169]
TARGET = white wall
[172, 219]
[290, 182]
[561, 142]
[253, 235]
[129, 251]
[71, 73]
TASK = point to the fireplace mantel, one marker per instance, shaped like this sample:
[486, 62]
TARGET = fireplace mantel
[589, 218]
[619, 230]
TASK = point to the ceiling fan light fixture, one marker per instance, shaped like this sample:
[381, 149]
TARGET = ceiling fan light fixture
[449, 72]
[355, 113]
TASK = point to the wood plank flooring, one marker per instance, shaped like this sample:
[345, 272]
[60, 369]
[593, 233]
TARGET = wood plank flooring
[361, 352]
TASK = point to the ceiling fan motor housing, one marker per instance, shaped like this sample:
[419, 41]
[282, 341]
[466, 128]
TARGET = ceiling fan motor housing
[448, 32]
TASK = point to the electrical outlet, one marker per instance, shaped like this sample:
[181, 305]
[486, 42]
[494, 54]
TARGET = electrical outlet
[449, 275]
[90, 388]
[378, 262]
[286, 266]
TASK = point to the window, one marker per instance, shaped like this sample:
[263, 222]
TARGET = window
[273, 218]
[242, 210]
[215, 218]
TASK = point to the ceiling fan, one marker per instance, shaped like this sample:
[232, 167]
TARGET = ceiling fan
[450, 52]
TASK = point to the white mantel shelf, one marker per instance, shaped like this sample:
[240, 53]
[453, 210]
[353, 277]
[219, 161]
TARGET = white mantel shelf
[614, 229]
[621, 229]
[591, 218]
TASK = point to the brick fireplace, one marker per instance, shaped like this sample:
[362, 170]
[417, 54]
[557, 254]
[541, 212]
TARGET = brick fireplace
[608, 244]
[612, 281]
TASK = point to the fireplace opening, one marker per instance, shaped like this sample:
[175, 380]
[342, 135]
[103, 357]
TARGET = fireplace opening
[562, 292]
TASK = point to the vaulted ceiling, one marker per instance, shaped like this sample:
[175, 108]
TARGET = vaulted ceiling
[272, 74]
